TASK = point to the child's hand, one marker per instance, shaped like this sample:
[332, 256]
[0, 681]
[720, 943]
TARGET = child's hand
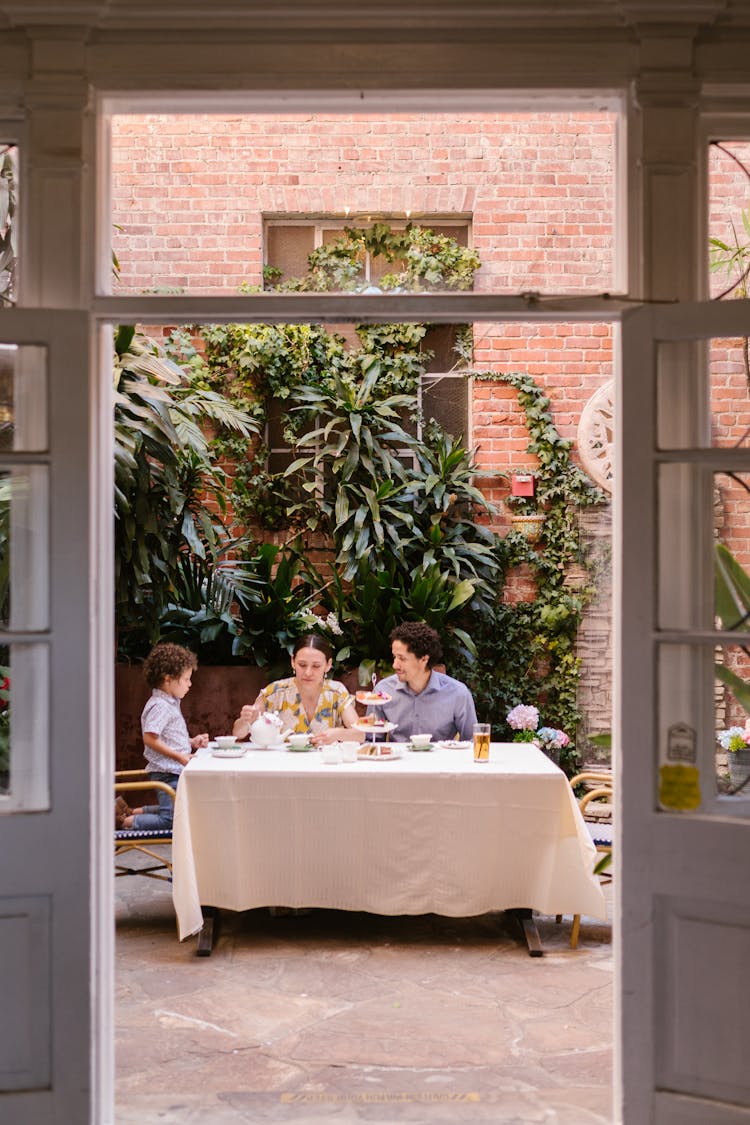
[199, 742]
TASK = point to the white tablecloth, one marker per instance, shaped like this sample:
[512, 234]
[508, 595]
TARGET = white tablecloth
[428, 833]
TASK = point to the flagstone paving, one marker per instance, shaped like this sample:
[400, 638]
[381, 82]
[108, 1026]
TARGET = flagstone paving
[337, 1017]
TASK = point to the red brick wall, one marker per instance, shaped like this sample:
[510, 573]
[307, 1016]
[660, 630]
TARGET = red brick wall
[190, 192]
[190, 195]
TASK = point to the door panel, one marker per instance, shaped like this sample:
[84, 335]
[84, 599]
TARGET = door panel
[51, 627]
[682, 883]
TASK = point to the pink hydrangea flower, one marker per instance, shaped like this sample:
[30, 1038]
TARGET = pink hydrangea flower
[523, 717]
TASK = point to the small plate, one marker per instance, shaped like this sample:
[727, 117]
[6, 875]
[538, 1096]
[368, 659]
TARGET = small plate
[374, 728]
[453, 744]
[420, 749]
[396, 752]
[229, 751]
[298, 749]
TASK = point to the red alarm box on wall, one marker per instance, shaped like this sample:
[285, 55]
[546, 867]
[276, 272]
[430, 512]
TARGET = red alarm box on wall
[522, 484]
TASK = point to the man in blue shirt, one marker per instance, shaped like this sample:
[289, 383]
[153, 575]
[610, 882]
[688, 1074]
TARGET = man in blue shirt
[422, 700]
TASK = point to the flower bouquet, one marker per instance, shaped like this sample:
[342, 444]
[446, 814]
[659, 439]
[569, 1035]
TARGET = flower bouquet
[734, 739]
[524, 721]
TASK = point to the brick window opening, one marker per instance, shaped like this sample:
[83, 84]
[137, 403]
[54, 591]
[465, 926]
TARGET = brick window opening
[444, 391]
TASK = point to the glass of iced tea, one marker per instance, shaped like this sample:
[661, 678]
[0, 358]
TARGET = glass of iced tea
[481, 742]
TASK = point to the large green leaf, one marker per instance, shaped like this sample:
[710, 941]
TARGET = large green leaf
[739, 687]
[732, 589]
[462, 592]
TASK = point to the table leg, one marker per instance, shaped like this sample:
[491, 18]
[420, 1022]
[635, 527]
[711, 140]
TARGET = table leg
[525, 919]
[208, 931]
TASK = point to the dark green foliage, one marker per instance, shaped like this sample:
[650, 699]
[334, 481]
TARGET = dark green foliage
[164, 475]
[277, 608]
[526, 652]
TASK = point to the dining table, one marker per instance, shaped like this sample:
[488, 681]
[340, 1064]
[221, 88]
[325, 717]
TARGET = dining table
[413, 832]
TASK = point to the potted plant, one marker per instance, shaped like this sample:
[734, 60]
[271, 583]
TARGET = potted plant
[524, 722]
[525, 516]
[736, 742]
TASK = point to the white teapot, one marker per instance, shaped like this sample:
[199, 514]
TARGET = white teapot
[266, 730]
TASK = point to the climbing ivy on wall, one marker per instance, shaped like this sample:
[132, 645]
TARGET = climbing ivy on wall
[526, 649]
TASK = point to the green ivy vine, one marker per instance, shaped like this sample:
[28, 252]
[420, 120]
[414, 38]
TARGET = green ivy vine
[526, 651]
[421, 259]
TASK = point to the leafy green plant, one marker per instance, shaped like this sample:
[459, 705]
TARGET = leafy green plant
[732, 602]
[527, 649]
[361, 498]
[376, 601]
[207, 589]
[422, 260]
[277, 606]
[164, 475]
[733, 260]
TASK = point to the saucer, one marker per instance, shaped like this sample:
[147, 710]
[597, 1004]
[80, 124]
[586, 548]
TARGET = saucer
[419, 749]
[300, 749]
[229, 751]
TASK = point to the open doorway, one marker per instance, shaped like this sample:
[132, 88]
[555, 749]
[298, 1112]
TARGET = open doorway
[575, 358]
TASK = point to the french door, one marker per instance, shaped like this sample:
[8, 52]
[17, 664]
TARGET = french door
[55, 634]
[683, 465]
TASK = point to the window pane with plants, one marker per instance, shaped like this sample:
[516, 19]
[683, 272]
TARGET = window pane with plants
[23, 398]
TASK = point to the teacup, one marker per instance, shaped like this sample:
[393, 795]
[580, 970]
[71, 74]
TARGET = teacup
[224, 741]
[298, 740]
[421, 741]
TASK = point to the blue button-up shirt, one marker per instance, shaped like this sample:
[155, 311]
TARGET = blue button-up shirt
[444, 708]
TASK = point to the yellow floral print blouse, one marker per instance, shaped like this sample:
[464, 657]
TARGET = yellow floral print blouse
[283, 696]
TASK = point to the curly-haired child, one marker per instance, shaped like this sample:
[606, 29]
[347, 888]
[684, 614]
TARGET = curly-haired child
[167, 746]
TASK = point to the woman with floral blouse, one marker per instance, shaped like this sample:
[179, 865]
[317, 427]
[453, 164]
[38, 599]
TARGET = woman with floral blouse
[306, 702]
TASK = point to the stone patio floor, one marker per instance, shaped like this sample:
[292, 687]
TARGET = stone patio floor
[336, 1017]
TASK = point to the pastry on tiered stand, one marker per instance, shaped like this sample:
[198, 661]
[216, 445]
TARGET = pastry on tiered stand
[372, 698]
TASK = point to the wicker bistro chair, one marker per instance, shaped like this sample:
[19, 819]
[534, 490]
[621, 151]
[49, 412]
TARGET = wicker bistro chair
[140, 840]
[600, 787]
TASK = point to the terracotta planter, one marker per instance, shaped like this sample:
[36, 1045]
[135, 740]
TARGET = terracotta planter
[528, 525]
[212, 704]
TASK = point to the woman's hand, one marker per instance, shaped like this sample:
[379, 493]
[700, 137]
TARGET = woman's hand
[248, 715]
[322, 737]
[336, 734]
